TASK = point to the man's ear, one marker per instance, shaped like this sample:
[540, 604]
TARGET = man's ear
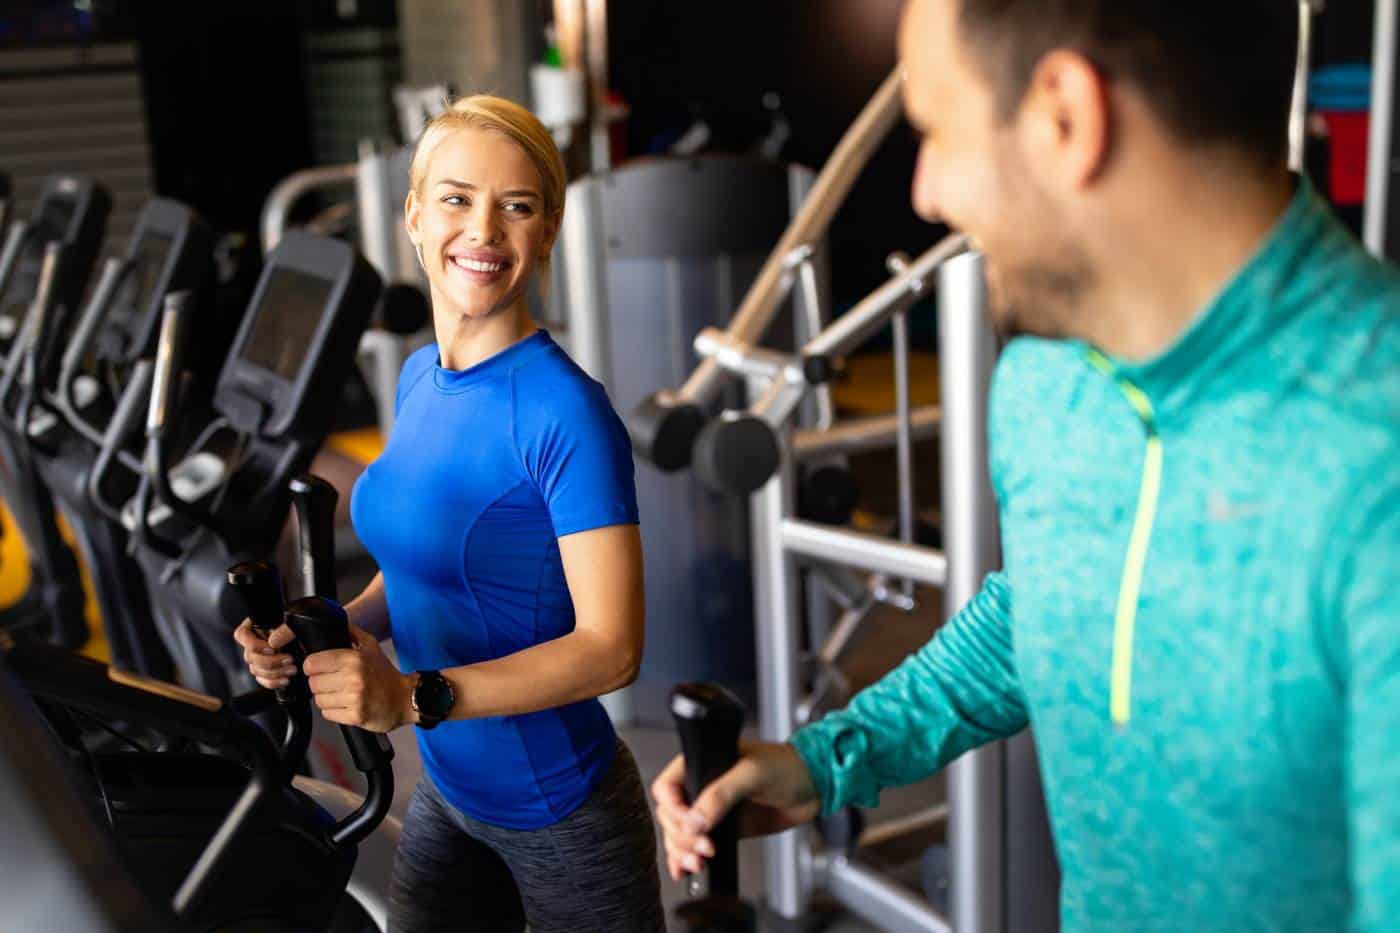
[1067, 120]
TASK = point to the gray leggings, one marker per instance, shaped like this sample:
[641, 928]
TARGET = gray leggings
[594, 870]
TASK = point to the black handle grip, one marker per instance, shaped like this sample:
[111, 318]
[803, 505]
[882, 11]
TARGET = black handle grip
[260, 585]
[320, 624]
[708, 719]
[314, 500]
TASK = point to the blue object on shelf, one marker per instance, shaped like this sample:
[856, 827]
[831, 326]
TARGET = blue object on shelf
[1340, 87]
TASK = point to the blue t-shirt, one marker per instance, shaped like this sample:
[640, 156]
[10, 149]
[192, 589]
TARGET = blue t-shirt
[485, 468]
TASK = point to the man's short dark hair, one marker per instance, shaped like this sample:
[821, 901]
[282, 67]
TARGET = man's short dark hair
[1215, 71]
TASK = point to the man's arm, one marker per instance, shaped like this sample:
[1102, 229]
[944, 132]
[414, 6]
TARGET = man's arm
[1367, 591]
[958, 692]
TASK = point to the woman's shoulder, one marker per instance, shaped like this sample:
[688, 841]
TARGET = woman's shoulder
[418, 363]
[551, 382]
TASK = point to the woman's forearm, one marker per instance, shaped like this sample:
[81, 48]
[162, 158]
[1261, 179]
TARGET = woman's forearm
[577, 666]
[370, 610]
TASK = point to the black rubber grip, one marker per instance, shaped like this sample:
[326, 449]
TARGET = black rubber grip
[708, 719]
[320, 624]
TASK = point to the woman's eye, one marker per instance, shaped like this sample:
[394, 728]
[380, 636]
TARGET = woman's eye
[519, 207]
[456, 200]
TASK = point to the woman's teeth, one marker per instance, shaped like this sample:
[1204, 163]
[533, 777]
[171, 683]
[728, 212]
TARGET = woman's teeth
[476, 265]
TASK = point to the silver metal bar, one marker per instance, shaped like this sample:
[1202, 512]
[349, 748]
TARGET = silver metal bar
[1380, 157]
[777, 404]
[378, 241]
[584, 271]
[761, 303]
[9, 256]
[844, 631]
[113, 270]
[787, 887]
[904, 444]
[812, 310]
[868, 552]
[872, 313]
[917, 821]
[291, 189]
[747, 360]
[1298, 111]
[857, 435]
[839, 583]
[876, 899]
[599, 151]
[967, 353]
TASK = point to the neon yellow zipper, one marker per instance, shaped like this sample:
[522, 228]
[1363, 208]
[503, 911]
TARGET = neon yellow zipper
[1129, 589]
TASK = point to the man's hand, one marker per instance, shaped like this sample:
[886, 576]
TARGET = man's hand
[769, 778]
[358, 686]
[270, 667]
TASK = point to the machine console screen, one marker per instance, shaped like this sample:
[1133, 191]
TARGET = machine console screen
[285, 321]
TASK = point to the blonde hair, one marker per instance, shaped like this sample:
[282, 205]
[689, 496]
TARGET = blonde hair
[483, 111]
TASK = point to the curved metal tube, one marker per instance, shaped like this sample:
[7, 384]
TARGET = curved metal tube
[1298, 112]
[828, 192]
[875, 310]
[278, 206]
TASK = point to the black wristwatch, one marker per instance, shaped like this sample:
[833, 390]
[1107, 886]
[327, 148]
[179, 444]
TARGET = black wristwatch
[433, 697]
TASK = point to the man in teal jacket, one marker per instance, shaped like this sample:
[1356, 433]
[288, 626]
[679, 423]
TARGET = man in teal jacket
[1195, 446]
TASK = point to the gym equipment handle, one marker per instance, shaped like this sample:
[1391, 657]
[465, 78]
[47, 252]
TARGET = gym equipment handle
[314, 500]
[708, 719]
[260, 586]
[320, 624]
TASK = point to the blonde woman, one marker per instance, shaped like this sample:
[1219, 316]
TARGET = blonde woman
[503, 516]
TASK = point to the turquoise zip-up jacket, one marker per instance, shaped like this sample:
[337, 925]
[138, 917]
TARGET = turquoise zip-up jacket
[1198, 612]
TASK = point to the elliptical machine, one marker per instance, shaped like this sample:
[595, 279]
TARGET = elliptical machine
[169, 250]
[72, 213]
[229, 841]
[225, 499]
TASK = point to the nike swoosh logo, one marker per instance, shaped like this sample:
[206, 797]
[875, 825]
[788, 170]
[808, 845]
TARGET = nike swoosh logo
[1221, 509]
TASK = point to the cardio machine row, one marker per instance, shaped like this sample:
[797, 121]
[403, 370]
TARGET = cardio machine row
[164, 541]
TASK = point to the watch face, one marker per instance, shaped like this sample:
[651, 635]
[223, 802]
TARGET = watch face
[433, 695]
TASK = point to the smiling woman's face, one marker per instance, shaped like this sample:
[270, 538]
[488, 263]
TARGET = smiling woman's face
[479, 219]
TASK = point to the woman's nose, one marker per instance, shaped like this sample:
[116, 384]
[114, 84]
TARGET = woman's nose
[483, 225]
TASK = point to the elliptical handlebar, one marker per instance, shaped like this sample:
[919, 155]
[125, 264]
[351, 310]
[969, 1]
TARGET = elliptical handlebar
[14, 246]
[114, 272]
[708, 719]
[126, 420]
[320, 624]
[170, 352]
[314, 501]
[260, 585]
[21, 357]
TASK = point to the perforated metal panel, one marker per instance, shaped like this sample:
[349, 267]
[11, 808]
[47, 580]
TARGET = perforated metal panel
[478, 46]
[76, 110]
[350, 76]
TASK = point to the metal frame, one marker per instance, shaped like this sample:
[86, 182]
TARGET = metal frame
[979, 811]
[383, 241]
[1381, 158]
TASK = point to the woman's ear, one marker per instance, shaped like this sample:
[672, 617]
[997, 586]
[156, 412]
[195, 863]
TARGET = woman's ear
[412, 215]
[551, 233]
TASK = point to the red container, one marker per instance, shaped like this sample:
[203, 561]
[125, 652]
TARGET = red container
[1350, 131]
